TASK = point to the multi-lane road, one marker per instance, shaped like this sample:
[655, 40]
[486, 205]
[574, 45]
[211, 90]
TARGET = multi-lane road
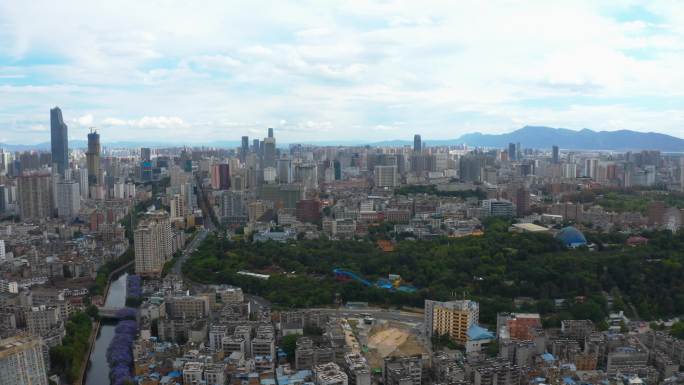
[189, 249]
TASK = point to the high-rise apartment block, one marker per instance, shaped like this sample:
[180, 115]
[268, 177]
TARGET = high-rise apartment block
[68, 199]
[220, 176]
[22, 361]
[35, 195]
[153, 243]
[385, 176]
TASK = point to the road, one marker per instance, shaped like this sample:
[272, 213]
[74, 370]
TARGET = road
[207, 228]
[377, 313]
[189, 249]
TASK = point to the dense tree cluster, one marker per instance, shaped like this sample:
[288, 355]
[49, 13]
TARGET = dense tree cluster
[493, 269]
[626, 199]
[678, 330]
[67, 359]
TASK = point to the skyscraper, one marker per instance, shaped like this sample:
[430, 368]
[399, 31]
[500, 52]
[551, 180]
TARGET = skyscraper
[145, 154]
[93, 158]
[59, 141]
[255, 146]
[555, 155]
[270, 132]
[511, 152]
[522, 201]
[417, 143]
[244, 150]
[269, 152]
[220, 176]
[284, 170]
[22, 361]
[3, 198]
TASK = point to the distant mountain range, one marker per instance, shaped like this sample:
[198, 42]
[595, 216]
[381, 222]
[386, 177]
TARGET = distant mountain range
[528, 137]
[545, 137]
[585, 139]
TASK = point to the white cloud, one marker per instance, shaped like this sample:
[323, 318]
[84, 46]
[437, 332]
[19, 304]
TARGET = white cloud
[162, 122]
[344, 70]
[85, 120]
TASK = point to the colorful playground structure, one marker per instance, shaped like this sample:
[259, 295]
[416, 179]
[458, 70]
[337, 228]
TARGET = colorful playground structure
[392, 282]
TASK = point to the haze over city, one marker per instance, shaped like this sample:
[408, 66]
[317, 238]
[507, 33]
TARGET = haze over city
[338, 70]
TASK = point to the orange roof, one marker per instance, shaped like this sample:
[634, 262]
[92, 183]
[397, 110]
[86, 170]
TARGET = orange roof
[385, 245]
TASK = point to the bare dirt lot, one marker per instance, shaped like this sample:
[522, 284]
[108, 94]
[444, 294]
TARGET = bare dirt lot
[391, 341]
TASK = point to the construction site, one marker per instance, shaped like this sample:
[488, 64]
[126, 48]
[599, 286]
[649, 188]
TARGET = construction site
[381, 339]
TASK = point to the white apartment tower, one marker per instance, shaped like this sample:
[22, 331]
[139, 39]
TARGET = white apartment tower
[68, 199]
[153, 243]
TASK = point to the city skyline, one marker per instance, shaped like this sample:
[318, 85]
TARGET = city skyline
[378, 192]
[339, 71]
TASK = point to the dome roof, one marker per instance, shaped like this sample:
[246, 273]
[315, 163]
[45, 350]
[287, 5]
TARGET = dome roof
[571, 237]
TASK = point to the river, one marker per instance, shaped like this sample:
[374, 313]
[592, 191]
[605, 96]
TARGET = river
[98, 371]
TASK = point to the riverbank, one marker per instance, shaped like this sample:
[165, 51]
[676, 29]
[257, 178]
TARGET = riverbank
[99, 341]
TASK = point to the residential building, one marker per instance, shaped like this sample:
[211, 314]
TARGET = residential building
[22, 361]
[385, 176]
[220, 176]
[68, 199]
[406, 370]
[35, 195]
[452, 319]
[330, 374]
[153, 243]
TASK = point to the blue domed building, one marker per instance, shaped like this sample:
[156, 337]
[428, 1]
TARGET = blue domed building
[571, 237]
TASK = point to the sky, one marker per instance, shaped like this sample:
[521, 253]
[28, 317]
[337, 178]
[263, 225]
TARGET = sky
[203, 71]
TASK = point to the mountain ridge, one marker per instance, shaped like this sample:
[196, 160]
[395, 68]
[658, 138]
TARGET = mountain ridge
[527, 136]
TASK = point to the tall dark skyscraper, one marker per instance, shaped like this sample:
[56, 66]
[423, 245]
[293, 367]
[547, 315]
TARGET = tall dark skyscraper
[255, 146]
[93, 158]
[269, 152]
[59, 141]
[244, 150]
[555, 155]
[417, 143]
[270, 132]
[511, 151]
[145, 154]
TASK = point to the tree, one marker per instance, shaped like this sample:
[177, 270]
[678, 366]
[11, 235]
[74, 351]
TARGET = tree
[289, 345]
[92, 311]
[677, 330]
